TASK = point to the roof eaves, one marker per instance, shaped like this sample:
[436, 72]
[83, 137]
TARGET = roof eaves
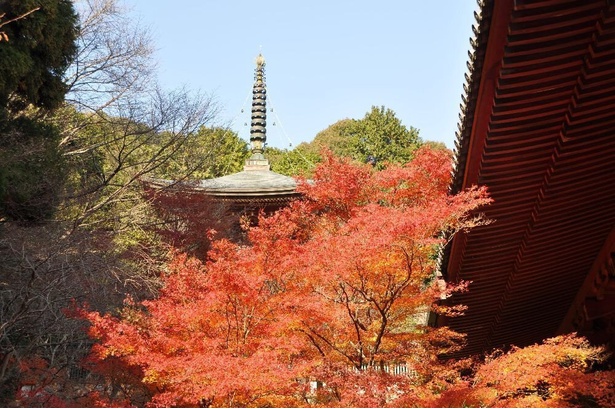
[476, 56]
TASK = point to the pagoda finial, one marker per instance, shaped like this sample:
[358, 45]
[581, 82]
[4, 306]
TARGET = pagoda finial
[258, 131]
[260, 61]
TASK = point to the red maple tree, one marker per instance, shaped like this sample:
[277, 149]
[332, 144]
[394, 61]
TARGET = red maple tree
[189, 220]
[331, 291]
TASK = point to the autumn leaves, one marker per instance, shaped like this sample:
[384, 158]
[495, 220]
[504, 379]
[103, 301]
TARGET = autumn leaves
[333, 282]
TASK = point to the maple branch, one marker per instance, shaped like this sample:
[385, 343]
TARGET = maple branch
[333, 347]
[247, 325]
[230, 313]
[409, 263]
[383, 311]
[5, 362]
[357, 324]
[383, 325]
[313, 341]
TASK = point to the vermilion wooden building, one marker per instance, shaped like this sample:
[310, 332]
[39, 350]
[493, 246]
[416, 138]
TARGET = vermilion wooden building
[537, 126]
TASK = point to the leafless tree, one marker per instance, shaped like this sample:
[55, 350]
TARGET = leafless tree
[114, 60]
[116, 112]
[139, 139]
[117, 126]
[42, 275]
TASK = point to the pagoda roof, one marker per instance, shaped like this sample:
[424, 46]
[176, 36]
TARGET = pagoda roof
[251, 183]
[248, 183]
[537, 127]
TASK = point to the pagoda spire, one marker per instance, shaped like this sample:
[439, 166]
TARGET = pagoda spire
[258, 124]
[258, 130]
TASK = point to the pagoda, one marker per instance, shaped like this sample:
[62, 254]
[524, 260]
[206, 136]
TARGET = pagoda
[256, 187]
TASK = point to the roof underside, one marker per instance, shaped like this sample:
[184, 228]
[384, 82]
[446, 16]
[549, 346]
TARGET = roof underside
[538, 129]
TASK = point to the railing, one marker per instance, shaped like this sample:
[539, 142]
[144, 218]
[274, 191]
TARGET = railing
[400, 368]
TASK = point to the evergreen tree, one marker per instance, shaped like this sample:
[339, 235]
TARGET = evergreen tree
[39, 50]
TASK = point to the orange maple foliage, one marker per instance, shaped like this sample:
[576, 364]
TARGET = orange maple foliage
[560, 372]
[332, 289]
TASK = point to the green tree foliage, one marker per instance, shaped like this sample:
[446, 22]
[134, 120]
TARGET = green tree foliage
[338, 137]
[40, 49]
[209, 153]
[3, 22]
[381, 135]
[378, 138]
[436, 145]
[296, 162]
[32, 170]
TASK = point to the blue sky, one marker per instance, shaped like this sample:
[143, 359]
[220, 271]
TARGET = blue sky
[326, 60]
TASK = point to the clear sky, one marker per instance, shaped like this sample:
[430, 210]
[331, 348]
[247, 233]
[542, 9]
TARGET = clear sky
[326, 60]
